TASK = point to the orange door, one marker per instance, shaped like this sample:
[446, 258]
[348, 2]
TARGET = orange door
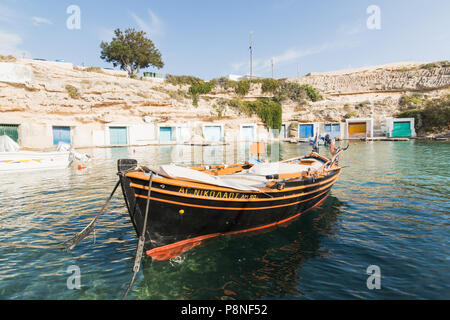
[357, 129]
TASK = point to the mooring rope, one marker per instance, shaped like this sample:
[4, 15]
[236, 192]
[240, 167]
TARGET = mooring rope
[71, 243]
[141, 242]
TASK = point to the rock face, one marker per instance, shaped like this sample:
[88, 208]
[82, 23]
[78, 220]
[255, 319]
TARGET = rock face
[64, 94]
[380, 80]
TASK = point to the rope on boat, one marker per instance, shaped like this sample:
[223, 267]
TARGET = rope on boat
[71, 243]
[140, 246]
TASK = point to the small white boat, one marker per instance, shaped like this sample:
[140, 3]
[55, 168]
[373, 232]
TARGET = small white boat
[12, 159]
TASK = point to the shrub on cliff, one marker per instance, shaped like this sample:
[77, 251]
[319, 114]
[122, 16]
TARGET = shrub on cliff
[73, 92]
[414, 100]
[182, 80]
[269, 111]
[242, 87]
[8, 58]
[296, 92]
[199, 88]
[434, 116]
[269, 85]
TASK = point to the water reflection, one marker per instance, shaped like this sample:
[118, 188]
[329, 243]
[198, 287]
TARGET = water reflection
[390, 207]
[243, 267]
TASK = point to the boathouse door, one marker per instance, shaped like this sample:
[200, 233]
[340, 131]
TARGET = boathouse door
[247, 133]
[283, 131]
[11, 130]
[118, 135]
[357, 129]
[61, 134]
[333, 130]
[402, 129]
[165, 134]
[212, 133]
[305, 130]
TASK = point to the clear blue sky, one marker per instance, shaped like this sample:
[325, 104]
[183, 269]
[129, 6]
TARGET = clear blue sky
[209, 38]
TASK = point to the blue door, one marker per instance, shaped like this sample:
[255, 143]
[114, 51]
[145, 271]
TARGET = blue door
[61, 134]
[247, 133]
[118, 135]
[165, 134]
[305, 130]
[333, 130]
[283, 131]
[212, 133]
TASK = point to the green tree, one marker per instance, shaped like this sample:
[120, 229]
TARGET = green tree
[131, 50]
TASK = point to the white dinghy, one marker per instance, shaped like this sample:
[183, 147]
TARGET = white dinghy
[13, 160]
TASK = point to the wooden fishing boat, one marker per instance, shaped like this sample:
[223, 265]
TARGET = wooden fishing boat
[188, 206]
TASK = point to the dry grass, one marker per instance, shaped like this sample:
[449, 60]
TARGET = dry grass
[8, 58]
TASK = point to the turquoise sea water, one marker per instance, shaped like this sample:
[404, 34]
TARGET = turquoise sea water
[390, 208]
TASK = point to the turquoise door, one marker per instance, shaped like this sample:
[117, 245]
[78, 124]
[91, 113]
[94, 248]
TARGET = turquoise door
[61, 134]
[305, 130]
[118, 135]
[402, 129]
[247, 133]
[165, 134]
[212, 133]
[11, 130]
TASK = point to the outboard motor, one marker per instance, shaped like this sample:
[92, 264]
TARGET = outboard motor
[327, 140]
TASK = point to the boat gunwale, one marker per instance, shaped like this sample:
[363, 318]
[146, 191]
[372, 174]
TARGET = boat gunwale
[331, 180]
[139, 175]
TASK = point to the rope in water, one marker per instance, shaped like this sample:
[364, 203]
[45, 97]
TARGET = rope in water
[71, 243]
[140, 247]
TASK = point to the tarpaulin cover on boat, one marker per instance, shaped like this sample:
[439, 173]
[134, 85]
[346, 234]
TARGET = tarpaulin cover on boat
[8, 145]
[266, 169]
[247, 180]
[182, 173]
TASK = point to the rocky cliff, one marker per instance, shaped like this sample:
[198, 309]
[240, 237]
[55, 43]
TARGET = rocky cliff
[96, 96]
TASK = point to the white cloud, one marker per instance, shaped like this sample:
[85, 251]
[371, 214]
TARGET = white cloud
[39, 20]
[9, 44]
[154, 28]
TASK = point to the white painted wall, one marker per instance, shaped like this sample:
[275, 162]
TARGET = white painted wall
[15, 73]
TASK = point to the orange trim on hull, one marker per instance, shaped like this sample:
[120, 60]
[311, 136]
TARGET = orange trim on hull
[185, 195]
[195, 185]
[176, 249]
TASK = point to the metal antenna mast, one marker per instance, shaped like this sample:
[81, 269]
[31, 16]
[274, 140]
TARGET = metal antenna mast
[272, 68]
[251, 55]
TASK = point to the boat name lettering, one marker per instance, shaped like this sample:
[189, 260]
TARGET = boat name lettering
[216, 194]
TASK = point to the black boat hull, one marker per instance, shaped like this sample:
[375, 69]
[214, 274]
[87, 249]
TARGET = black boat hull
[182, 216]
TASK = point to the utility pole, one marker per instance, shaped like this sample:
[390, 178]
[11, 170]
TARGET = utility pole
[272, 68]
[251, 55]
[298, 70]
